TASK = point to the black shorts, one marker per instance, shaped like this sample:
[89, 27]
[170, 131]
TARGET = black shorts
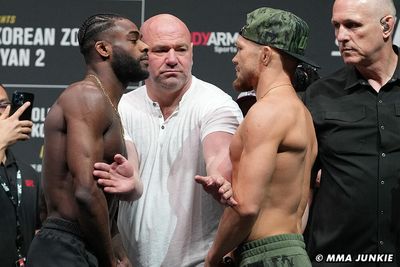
[59, 243]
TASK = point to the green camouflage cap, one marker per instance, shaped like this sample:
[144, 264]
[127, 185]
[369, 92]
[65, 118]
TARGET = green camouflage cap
[280, 29]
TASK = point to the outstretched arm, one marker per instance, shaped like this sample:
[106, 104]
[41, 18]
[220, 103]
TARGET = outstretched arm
[121, 177]
[259, 146]
[218, 166]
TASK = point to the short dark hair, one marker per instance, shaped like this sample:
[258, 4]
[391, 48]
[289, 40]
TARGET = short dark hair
[92, 27]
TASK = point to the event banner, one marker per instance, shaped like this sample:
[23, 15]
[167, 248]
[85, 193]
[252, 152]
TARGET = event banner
[39, 53]
[39, 50]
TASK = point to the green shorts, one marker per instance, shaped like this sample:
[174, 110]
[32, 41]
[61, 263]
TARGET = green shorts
[287, 250]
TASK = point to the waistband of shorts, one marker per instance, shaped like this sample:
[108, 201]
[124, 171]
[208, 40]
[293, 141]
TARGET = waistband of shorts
[63, 225]
[273, 242]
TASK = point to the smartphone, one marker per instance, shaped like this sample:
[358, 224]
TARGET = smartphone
[17, 100]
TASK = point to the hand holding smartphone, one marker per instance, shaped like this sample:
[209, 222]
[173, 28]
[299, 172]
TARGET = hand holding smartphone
[17, 100]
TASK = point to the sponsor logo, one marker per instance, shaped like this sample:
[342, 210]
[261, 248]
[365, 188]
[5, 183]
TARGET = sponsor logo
[221, 42]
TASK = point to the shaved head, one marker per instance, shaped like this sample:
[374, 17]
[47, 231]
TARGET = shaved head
[376, 8]
[386, 6]
[163, 24]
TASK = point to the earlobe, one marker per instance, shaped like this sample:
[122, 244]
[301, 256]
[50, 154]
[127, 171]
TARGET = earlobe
[103, 49]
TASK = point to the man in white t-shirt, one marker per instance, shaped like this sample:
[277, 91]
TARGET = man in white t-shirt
[176, 127]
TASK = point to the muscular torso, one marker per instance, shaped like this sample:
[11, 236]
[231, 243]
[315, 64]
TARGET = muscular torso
[69, 155]
[275, 153]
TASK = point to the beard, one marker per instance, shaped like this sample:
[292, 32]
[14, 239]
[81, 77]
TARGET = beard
[127, 68]
[242, 84]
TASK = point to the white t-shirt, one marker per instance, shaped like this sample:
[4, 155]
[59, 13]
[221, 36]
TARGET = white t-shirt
[174, 222]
